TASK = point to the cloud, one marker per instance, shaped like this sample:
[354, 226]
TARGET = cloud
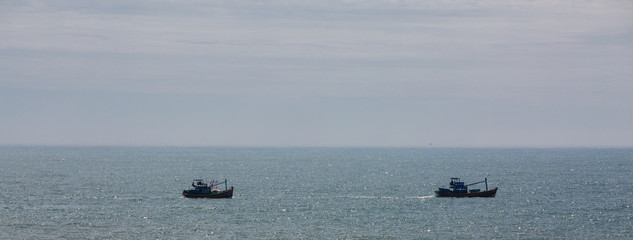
[424, 58]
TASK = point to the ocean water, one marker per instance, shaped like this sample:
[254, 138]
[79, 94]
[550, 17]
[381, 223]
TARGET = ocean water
[314, 193]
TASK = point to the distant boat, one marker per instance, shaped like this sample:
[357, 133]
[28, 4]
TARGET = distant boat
[202, 190]
[459, 189]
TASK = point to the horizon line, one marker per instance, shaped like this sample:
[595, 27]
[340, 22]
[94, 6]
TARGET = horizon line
[326, 146]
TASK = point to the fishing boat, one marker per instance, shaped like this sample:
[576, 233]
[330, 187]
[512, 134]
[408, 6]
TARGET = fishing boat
[459, 189]
[203, 190]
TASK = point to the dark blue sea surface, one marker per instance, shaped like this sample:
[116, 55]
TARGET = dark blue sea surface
[314, 193]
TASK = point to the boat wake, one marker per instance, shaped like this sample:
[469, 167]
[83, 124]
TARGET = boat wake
[387, 197]
[425, 197]
[368, 197]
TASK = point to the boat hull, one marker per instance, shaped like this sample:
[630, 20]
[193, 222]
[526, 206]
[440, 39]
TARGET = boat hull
[223, 194]
[489, 193]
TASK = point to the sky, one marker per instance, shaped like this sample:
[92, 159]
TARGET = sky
[356, 73]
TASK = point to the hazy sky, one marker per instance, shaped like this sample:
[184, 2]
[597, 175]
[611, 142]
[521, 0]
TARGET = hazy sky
[317, 73]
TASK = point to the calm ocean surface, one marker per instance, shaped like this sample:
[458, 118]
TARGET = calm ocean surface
[314, 193]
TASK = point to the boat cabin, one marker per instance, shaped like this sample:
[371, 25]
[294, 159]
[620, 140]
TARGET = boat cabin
[458, 186]
[198, 183]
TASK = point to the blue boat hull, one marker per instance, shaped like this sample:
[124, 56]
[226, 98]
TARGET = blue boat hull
[197, 194]
[444, 193]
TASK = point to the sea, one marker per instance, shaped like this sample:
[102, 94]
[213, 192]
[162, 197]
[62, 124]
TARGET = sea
[49, 192]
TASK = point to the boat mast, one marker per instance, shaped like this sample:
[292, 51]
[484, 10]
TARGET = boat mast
[485, 180]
